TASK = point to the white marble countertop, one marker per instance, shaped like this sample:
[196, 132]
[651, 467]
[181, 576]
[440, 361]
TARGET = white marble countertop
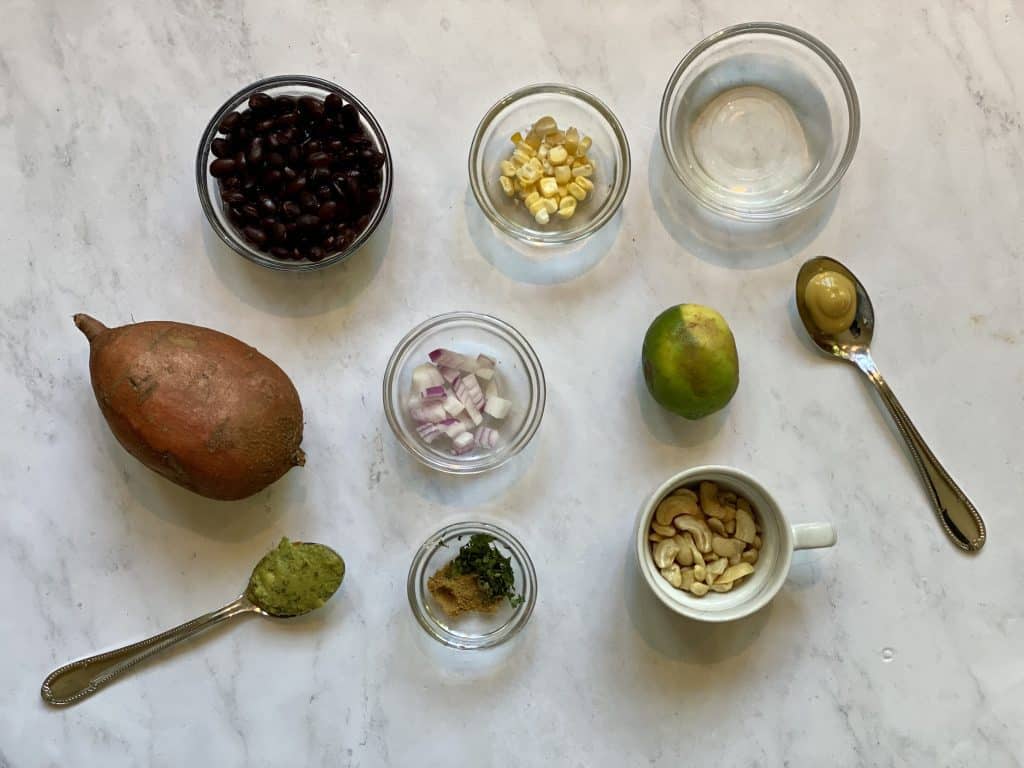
[101, 107]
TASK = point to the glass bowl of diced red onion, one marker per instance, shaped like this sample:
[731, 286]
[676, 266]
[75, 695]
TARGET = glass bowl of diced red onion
[464, 392]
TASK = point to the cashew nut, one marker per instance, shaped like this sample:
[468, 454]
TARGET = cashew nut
[710, 557]
[750, 556]
[686, 578]
[699, 529]
[654, 536]
[686, 493]
[716, 525]
[745, 530]
[713, 571]
[698, 558]
[730, 527]
[728, 499]
[674, 506]
[665, 530]
[716, 587]
[724, 547]
[699, 573]
[709, 500]
[665, 552]
[757, 542]
[673, 575]
[685, 555]
[735, 560]
[699, 588]
[734, 572]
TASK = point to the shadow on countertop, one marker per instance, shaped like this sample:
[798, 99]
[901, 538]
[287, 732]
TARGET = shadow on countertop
[669, 428]
[298, 294]
[724, 242]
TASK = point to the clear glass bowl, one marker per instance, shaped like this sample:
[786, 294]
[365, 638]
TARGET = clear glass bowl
[759, 121]
[471, 631]
[518, 372]
[209, 196]
[569, 106]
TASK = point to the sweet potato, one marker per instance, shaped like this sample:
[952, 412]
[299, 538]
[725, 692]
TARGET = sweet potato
[198, 406]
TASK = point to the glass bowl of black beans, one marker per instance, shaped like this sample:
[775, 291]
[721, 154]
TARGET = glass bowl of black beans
[294, 173]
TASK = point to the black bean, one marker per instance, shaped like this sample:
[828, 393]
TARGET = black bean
[230, 122]
[275, 160]
[250, 188]
[222, 167]
[272, 179]
[288, 172]
[236, 215]
[287, 120]
[316, 253]
[280, 252]
[362, 223]
[251, 212]
[319, 175]
[349, 117]
[308, 201]
[307, 221]
[265, 126]
[318, 159]
[230, 182]
[239, 159]
[327, 211]
[285, 103]
[291, 209]
[311, 107]
[278, 232]
[220, 147]
[293, 155]
[255, 235]
[233, 198]
[260, 102]
[267, 205]
[324, 192]
[333, 103]
[329, 243]
[256, 151]
[296, 185]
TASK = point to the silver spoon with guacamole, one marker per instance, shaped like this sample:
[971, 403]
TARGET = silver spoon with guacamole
[837, 313]
[292, 579]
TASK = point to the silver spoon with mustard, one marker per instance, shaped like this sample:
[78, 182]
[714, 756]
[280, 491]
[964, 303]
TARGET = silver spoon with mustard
[292, 579]
[837, 313]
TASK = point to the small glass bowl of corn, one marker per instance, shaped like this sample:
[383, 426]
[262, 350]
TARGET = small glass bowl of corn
[549, 164]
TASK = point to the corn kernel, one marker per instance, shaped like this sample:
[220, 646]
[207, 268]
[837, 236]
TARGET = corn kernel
[586, 169]
[520, 158]
[563, 190]
[517, 137]
[577, 191]
[532, 198]
[508, 168]
[537, 206]
[528, 174]
[550, 203]
[548, 186]
[536, 164]
[555, 138]
[549, 169]
[563, 174]
[584, 183]
[507, 185]
[542, 216]
[572, 140]
[566, 211]
[526, 148]
[558, 156]
[584, 146]
[567, 201]
[545, 125]
[532, 139]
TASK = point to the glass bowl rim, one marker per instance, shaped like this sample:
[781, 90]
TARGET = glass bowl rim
[842, 76]
[417, 593]
[618, 192]
[522, 347]
[234, 240]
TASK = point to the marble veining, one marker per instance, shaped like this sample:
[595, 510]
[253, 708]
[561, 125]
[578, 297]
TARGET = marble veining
[890, 650]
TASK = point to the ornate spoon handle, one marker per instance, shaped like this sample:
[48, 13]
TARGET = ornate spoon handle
[79, 679]
[959, 517]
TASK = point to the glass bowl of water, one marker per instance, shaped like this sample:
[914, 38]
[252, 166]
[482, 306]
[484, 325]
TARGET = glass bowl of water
[759, 121]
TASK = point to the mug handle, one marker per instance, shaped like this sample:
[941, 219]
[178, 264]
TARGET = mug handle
[813, 535]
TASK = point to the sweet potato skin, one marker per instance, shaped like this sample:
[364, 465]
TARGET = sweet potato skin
[202, 408]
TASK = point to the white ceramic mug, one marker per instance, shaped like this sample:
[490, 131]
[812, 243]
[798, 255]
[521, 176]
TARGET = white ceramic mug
[778, 538]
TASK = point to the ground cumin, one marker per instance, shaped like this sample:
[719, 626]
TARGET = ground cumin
[460, 594]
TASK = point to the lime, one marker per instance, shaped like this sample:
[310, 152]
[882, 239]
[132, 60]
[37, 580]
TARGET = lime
[689, 360]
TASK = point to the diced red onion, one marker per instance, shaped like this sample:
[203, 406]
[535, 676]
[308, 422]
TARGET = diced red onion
[426, 412]
[453, 427]
[498, 407]
[491, 390]
[462, 443]
[430, 432]
[433, 394]
[486, 437]
[448, 359]
[485, 373]
[453, 405]
[448, 374]
[467, 389]
[424, 376]
[483, 361]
